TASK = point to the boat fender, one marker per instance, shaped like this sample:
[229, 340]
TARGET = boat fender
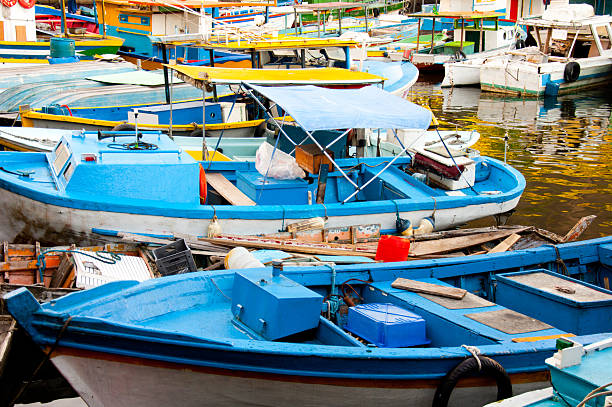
[425, 226]
[571, 72]
[480, 366]
[214, 228]
[403, 226]
[520, 43]
[123, 127]
[203, 185]
[9, 3]
[460, 55]
[27, 4]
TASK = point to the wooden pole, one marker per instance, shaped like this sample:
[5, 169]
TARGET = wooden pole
[204, 148]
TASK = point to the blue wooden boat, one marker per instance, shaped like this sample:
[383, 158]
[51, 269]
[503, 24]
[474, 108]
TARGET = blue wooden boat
[343, 335]
[580, 376]
[91, 182]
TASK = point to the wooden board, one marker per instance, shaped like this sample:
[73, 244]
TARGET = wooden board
[228, 190]
[288, 246]
[469, 301]
[509, 321]
[456, 243]
[506, 243]
[427, 288]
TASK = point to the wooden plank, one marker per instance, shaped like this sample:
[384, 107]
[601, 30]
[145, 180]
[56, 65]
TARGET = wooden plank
[228, 190]
[322, 185]
[428, 288]
[578, 228]
[65, 267]
[7, 327]
[287, 246]
[456, 243]
[506, 243]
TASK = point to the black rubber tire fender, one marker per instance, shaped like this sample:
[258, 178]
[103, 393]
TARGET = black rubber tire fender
[124, 127]
[520, 43]
[469, 368]
[571, 72]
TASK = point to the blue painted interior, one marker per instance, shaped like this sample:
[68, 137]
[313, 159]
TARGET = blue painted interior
[578, 317]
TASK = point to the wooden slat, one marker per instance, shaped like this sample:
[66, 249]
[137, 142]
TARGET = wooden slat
[64, 269]
[427, 288]
[578, 228]
[506, 243]
[228, 190]
[456, 243]
[288, 246]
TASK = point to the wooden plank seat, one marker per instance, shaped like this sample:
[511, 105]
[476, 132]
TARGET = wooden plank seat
[228, 190]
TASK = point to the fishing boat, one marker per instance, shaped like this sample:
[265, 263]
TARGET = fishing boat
[454, 189]
[19, 41]
[580, 376]
[572, 52]
[185, 118]
[393, 333]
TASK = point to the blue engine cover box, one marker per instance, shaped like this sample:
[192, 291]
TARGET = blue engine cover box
[386, 325]
[274, 306]
[275, 191]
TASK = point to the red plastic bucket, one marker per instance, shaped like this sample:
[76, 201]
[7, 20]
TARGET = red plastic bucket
[392, 248]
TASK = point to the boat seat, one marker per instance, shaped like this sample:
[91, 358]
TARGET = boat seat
[228, 190]
[472, 313]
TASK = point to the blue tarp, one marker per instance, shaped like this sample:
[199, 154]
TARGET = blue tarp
[316, 108]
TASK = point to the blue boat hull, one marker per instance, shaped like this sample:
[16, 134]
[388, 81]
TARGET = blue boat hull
[149, 344]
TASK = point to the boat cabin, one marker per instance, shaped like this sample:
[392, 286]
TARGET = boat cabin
[120, 167]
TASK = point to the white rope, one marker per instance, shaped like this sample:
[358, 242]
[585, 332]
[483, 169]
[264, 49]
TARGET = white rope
[474, 351]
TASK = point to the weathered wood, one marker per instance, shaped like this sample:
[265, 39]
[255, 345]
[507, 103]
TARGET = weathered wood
[228, 190]
[578, 229]
[65, 267]
[7, 327]
[322, 185]
[215, 266]
[506, 243]
[428, 288]
[456, 243]
[288, 246]
[465, 232]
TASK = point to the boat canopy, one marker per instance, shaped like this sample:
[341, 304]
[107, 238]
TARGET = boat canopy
[315, 108]
[286, 42]
[198, 76]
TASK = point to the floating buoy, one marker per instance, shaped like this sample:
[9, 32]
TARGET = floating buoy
[9, 3]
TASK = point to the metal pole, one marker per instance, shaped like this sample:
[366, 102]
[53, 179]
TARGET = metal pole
[103, 20]
[165, 58]
[211, 56]
[204, 148]
[433, 28]
[171, 88]
[64, 30]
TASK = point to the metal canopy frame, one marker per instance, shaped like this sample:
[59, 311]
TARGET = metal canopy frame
[309, 136]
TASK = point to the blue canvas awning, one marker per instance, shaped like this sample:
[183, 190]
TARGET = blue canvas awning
[316, 108]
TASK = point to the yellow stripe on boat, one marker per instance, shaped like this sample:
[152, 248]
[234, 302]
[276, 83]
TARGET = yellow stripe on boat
[196, 75]
[541, 338]
[28, 116]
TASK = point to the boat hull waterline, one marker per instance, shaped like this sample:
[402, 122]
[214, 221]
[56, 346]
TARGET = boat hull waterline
[29, 219]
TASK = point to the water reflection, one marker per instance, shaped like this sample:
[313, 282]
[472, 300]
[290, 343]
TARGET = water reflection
[562, 146]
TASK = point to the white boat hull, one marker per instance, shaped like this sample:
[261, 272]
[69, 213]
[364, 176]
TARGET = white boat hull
[22, 218]
[525, 78]
[117, 382]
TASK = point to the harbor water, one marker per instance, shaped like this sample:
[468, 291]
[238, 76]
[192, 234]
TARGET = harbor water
[563, 147]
